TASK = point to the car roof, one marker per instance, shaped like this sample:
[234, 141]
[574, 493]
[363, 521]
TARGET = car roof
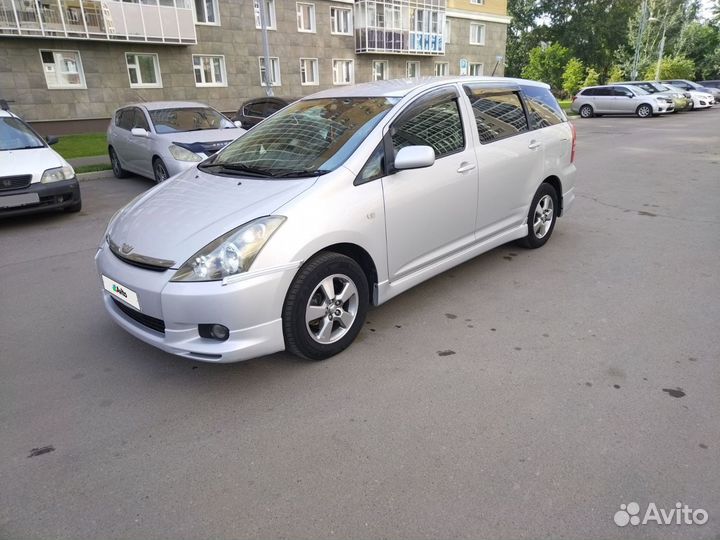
[401, 87]
[155, 105]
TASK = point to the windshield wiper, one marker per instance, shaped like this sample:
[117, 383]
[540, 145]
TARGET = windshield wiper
[302, 174]
[236, 169]
[26, 147]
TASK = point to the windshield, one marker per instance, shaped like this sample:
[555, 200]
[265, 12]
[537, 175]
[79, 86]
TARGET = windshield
[307, 138]
[188, 119]
[640, 91]
[17, 135]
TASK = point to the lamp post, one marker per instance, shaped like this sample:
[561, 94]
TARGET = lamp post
[266, 47]
[638, 40]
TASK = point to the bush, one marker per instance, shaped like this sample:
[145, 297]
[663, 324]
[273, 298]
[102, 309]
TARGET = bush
[592, 79]
[673, 67]
[547, 65]
[616, 74]
[573, 76]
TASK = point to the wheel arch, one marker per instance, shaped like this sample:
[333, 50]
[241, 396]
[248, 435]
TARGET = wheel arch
[556, 184]
[360, 256]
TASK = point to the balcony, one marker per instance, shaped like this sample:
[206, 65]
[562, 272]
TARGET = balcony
[136, 21]
[413, 27]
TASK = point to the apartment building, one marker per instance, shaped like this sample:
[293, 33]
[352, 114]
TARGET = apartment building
[67, 64]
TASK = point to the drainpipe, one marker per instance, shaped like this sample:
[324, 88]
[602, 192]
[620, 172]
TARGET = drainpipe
[266, 48]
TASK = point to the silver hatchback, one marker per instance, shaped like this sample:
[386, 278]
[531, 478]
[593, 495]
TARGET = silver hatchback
[620, 99]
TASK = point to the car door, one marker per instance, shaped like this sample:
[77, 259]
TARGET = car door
[623, 100]
[602, 101]
[510, 159]
[120, 136]
[430, 212]
[141, 149]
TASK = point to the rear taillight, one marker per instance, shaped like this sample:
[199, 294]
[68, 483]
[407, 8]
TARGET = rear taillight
[574, 140]
[573, 99]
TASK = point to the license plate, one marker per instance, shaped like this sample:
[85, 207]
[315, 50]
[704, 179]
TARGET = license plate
[11, 201]
[122, 292]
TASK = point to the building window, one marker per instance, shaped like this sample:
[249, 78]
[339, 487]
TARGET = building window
[143, 70]
[442, 68]
[447, 30]
[392, 17]
[412, 69]
[341, 19]
[309, 71]
[62, 69]
[476, 68]
[305, 17]
[478, 2]
[270, 22]
[274, 71]
[209, 70]
[477, 34]
[206, 12]
[379, 70]
[343, 72]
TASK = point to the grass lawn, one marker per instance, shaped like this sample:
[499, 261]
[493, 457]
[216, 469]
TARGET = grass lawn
[565, 104]
[91, 168]
[87, 144]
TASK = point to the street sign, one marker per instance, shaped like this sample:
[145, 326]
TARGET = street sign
[464, 66]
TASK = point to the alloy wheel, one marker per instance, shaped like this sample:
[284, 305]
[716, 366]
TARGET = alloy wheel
[544, 215]
[332, 309]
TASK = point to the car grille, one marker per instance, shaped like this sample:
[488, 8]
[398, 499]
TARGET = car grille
[15, 182]
[146, 320]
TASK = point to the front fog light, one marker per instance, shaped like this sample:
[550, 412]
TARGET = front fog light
[217, 332]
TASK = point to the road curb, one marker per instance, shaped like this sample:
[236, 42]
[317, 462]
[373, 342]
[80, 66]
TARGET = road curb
[95, 175]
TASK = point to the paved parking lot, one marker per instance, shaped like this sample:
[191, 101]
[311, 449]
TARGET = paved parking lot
[525, 394]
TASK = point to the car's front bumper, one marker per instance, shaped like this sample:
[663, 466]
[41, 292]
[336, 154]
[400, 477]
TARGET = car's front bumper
[54, 196]
[250, 308]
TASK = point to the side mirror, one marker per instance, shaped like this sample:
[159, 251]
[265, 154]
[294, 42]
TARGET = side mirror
[139, 132]
[414, 157]
[51, 139]
[238, 123]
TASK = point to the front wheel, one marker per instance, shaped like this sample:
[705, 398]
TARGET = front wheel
[325, 306]
[644, 111]
[541, 217]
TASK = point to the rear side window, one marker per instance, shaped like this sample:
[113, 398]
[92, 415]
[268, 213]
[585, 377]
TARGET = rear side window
[498, 114]
[435, 123]
[605, 91]
[543, 108]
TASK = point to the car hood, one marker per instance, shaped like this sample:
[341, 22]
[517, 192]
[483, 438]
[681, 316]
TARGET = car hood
[33, 161]
[203, 135]
[177, 218]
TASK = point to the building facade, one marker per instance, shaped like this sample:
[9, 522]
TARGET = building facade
[67, 64]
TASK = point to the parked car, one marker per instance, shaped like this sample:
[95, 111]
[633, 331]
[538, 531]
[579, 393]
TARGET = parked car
[160, 139]
[693, 86]
[33, 177]
[343, 199]
[254, 111]
[699, 100]
[620, 99]
[682, 100]
[711, 84]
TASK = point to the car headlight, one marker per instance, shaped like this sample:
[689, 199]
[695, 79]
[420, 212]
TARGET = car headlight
[57, 174]
[232, 253]
[183, 154]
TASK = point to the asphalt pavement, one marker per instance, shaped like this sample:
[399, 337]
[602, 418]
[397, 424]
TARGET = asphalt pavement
[524, 394]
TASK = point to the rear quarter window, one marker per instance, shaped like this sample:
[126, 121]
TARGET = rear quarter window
[543, 107]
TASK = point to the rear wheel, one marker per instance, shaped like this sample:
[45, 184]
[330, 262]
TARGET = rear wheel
[160, 170]
[541, 217]
[325, 306]
[117, 169]
[644, 111]
[586, 111]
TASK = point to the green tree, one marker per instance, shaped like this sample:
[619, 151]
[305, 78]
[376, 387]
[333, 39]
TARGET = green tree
[673, 67]
[522, 34]
[699, 42]
[573, 76]
[547, 64]
[593, 78]
[616, 74]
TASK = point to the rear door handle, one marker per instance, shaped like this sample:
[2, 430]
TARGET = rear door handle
[534, 144]
[465, 167]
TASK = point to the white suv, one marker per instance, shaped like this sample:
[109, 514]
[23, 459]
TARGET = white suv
[343, 199]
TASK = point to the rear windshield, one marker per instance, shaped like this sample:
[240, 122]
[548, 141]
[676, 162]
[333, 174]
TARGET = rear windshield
[188, 119]
[307, 138]
[17, 135]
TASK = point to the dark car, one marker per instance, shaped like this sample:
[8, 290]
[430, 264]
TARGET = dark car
[710, 84]
[254, 111]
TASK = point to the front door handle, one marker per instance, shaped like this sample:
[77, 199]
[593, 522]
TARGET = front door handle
[465, 167]
[534, 144]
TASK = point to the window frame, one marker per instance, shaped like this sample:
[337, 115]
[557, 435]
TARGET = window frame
[482, 69]
[386, 69]
[299, 15]
[483, 31]
[270, 14]
[315, 63]
[352, 71]
[447, 30]
[156, 64]
[278, 82]
[216, 11]
[447, 69]
[334, 19]
[407, 66]
[223, 71]
[81, 70]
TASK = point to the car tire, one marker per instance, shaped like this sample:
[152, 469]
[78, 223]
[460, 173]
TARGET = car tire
[316, 290]
[542, 217]
[644, 111]
[160, 170]
[74, 207]
[117, 169]
[586, 111]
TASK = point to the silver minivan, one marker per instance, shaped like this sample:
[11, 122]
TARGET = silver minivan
[342, 200]
[620, 99]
